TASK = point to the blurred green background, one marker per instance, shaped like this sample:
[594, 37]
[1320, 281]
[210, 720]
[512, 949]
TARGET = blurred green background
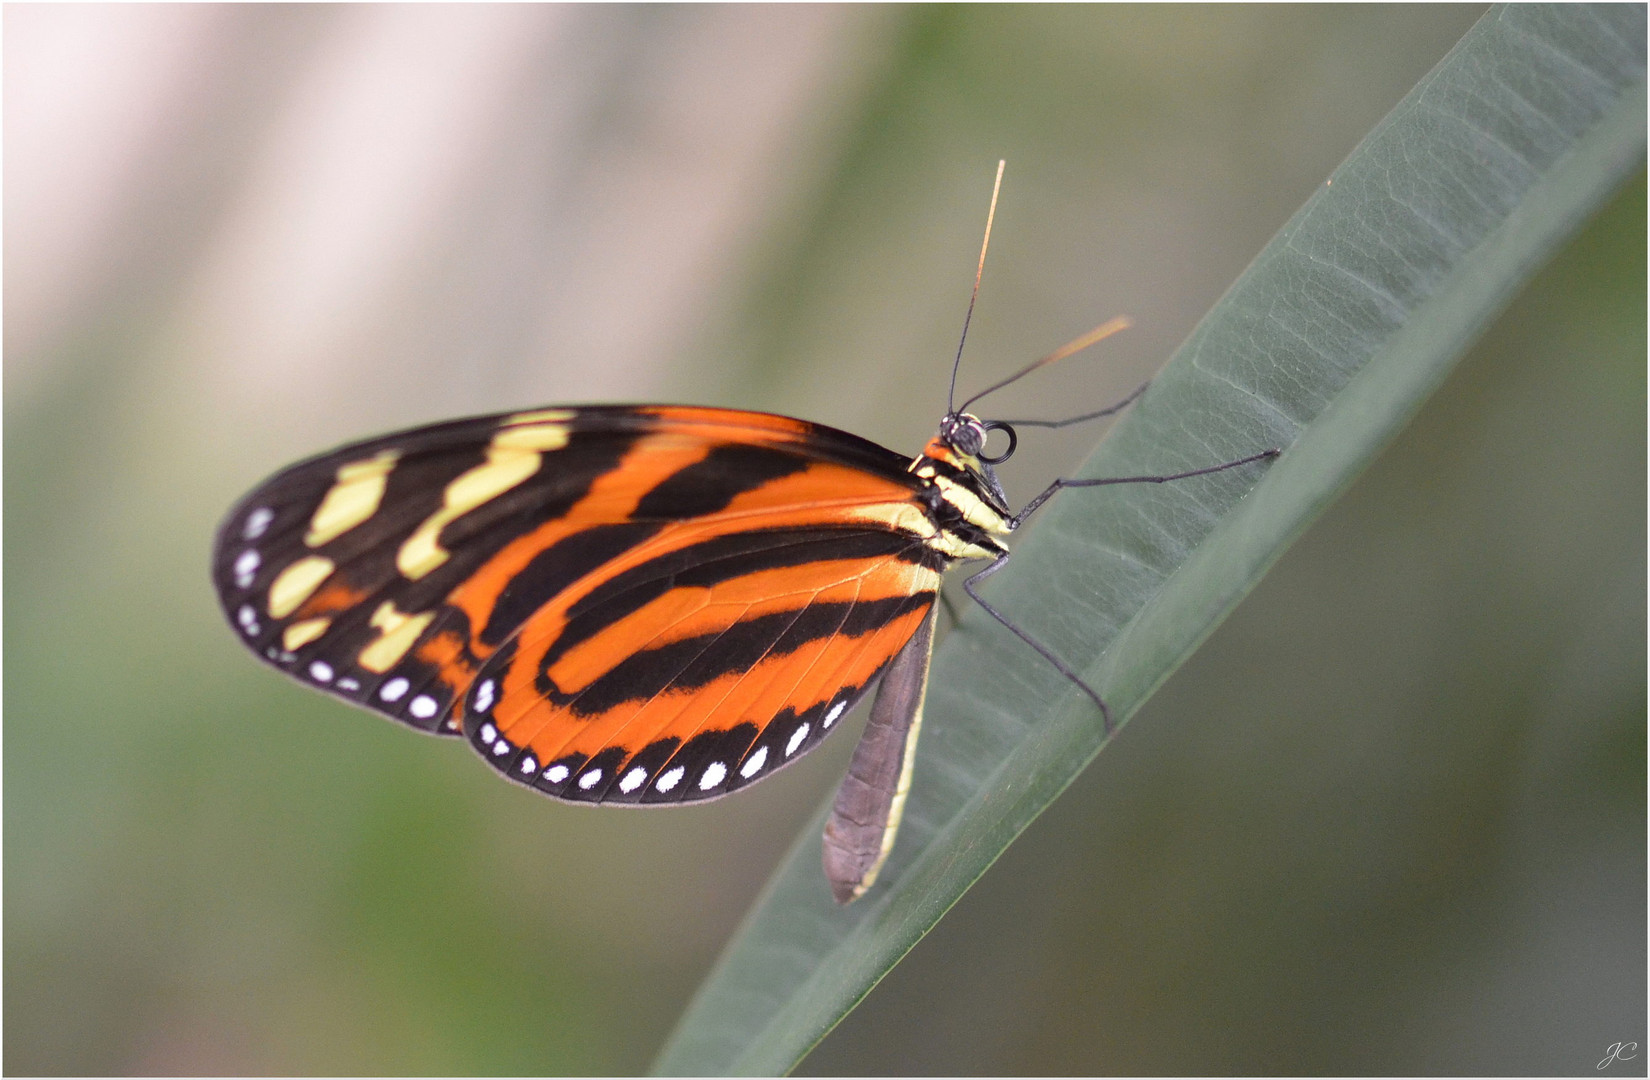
[1390, 819]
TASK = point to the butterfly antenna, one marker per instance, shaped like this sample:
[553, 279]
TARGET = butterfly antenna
[1104, 330]
[951, 394]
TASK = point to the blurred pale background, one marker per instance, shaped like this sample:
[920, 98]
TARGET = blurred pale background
[1391, 818]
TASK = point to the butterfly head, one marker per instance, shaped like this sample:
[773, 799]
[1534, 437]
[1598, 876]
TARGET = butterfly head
[960, 444]
[966, 434]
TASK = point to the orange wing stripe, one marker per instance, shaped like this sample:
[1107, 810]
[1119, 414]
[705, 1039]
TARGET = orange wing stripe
[797, 680]
[696, 612]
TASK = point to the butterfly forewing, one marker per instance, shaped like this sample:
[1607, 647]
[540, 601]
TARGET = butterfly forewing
[338, 569]
[601, 589]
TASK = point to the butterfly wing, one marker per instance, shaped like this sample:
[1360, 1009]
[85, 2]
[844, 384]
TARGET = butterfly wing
[392, 571]
[702, 659]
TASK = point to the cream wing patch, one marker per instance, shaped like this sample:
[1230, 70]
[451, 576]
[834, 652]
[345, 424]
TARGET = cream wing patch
[296, 583]
[516, 453]
[300, 634]
[901, 517]
[398, 632]
[353, 499]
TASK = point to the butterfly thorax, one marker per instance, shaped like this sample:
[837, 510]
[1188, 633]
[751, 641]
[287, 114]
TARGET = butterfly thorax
[964, 501]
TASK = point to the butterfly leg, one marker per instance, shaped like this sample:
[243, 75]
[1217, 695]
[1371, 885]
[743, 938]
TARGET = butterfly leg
[1018, 519]
[997, 564]
[1059, 485]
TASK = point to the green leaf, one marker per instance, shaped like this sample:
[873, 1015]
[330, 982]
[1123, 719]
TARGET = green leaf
[1325, 347]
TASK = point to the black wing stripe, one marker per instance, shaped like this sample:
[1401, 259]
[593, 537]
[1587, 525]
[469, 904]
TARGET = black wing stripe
[708, 486]
[724, 558]
[694, 662]
[554, 569]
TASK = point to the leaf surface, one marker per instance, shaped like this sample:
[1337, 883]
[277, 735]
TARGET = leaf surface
[1325, 347]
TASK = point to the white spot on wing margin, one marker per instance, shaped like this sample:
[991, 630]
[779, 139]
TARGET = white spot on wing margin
[257, 523]
[836, 711]
[797, 738]
[246, 567]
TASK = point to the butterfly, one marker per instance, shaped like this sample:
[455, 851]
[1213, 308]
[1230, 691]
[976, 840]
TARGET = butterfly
[636, 604]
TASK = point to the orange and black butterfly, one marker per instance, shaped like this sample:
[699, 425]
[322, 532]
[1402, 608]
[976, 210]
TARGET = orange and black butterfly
[632, 604]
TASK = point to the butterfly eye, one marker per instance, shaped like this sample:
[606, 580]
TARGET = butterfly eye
[964, 433]
[1013, 441]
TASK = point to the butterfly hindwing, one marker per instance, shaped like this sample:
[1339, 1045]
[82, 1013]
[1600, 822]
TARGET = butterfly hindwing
[692, 667]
